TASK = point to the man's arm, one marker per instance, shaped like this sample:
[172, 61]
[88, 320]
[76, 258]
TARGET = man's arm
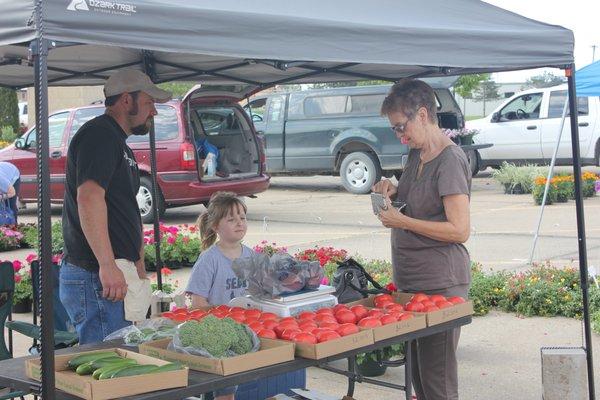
[94, 223]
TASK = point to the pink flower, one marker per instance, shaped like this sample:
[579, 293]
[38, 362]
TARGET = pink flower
[17, 265]
[57, 258]
[17, 278]
[186, 239]
[31, 257]
[325, 281]
[171, 239]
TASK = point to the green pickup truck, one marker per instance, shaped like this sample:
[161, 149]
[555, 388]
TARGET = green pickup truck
[338, 131]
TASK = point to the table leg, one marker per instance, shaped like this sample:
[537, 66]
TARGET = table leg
[408, 369]
[351, 381]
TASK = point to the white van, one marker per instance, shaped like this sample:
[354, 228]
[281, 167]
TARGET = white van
[524, 129]
[23, 117]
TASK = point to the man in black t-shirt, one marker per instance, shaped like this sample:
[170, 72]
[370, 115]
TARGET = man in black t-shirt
[102, 228]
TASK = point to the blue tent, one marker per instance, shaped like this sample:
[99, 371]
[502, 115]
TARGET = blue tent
[587, 80]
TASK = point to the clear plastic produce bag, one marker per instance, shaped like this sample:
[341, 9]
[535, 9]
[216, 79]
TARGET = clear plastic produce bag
[279, 274]
[177, 346]
[144, 331]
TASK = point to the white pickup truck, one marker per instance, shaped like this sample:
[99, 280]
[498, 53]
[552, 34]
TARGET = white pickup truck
[524, 129]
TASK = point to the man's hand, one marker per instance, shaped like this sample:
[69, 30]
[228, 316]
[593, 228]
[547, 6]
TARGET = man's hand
[385, 187]
[11, 192]
[114, 287]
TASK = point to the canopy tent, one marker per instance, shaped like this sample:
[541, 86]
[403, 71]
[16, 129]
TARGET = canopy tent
[81, 42]
[588, 80]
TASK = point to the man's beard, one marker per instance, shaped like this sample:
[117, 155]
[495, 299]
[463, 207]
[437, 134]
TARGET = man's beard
[140, 130]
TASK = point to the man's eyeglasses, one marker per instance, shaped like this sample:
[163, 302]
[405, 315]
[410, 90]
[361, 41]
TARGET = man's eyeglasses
[399, 128]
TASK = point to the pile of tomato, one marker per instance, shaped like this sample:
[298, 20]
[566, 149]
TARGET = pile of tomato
[420, 302]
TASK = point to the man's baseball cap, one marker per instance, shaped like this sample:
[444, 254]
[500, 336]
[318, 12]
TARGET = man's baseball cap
[131, 80]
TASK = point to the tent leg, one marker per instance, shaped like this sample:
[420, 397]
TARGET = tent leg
[583, 268]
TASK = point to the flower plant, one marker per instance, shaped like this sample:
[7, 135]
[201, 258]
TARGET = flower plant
[178, 245]
[10, 239]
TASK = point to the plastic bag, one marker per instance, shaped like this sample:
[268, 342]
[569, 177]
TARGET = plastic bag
[277, 275]
[144, 331]
[175, 345]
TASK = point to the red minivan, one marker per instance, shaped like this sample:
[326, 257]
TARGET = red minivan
[211, 115]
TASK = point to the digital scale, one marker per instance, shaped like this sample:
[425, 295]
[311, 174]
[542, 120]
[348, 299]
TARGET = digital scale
[290, 304]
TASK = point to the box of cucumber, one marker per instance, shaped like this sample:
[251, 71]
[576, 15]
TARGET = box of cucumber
[111, 373]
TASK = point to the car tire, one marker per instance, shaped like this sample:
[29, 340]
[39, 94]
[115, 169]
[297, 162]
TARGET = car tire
[473, 158]
[359, 172]
[144, 200]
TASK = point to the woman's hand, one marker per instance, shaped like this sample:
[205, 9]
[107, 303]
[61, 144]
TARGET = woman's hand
[391, 217]
[385, 187]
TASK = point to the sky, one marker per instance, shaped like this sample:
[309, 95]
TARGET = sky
[580, 16]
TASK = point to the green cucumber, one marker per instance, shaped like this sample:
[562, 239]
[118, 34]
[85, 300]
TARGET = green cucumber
[133, 370]
[105, 362]
[87, 357]
[98, 373]
[169, 367]
[85, 369]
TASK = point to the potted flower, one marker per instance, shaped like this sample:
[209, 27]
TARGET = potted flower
[589, 184]
[269, 248]
[370, 364]
[461, 136]
[168, 286]
[10, 239]
[328, 257]
[179, 246]
[23, 294]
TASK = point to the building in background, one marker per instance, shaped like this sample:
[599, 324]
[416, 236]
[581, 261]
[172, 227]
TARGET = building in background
[61, 97]
[475, 108]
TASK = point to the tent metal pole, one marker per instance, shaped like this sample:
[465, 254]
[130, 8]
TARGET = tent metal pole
[583, 268]
[550, 173]
[40, 54]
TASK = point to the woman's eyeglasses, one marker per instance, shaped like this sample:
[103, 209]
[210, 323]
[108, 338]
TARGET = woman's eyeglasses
[399, 128]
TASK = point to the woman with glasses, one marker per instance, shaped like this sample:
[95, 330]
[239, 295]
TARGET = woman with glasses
[427, 237]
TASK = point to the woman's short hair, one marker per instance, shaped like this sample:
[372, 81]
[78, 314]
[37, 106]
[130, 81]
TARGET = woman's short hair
[407, 96]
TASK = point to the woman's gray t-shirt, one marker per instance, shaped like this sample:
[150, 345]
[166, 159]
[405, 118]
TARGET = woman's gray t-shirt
[213, 278]
[419, 262]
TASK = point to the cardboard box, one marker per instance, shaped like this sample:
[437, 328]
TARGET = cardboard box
[419, 321]
[336, 346]
[432, 318]
[86, 387]
[271, 352]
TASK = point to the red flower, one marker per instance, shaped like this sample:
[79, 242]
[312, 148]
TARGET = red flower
[31, 257]
[165, 271]
[17, 278]
[391, 287]
[17, 265]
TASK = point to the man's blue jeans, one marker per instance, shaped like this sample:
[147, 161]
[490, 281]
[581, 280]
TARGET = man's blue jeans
[94, 316]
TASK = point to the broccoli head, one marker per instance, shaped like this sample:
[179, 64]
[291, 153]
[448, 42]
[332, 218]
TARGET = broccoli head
[216, 336]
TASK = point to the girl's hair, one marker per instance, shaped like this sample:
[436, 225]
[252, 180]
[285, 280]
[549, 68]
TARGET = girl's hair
[407, 96]
[220, 204]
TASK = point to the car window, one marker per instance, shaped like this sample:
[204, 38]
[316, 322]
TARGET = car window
[323, 105]
[557, 102]
[220, 121]
[526, 106]
[83, 115]
[256, 109]
[166, 126]
[276, 109]
[56, 128]
[365, 104]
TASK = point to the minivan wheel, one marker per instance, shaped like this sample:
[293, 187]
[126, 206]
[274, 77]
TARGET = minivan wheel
[144, 200]
[473, 159]
[359, 171]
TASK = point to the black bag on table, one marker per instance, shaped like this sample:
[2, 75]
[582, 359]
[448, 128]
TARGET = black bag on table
[351, 282]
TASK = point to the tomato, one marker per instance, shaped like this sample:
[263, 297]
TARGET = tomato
[428, 303]
[286, 319]
[436, 297]
[283, 326]
[369, 322]
[382, 302]
[267, 333]
[309, 315]
[252, 313]
[167, 314]
[237, 309]
[359, 311]
[329, 325]
[375, 313]
[456, 300]
[197, 312]
[405, 316]
[393, 307]
[305, 337]
[180, 310]
[443, 304]
[178, 317]
[218, 314]
[248, 321]
[316, 331]
[223, 308]
[289, 334]
[347, 329]
[325, 311]
[268, 315]
[419, 297]
[388, 319]
[307, 325]
[270, 323]
[431, 308]
[345, 317]
[339, 307]
[414, 306]
[256, 326]
[396, 314]
[327, 335]
[383, 296]
[320, 318]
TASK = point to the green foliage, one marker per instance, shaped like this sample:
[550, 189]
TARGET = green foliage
[178, 89]
[9, 109]
[177, 245]
[8, 134]
[387, 353]
[23, 289]
[467, 84]
[217, 336]
[513, 177]
[487, 90]
[487, 290]
[30, 236]
[538, 194]
[544, 80]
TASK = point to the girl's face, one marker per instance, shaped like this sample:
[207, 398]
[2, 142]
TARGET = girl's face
[232, 228]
